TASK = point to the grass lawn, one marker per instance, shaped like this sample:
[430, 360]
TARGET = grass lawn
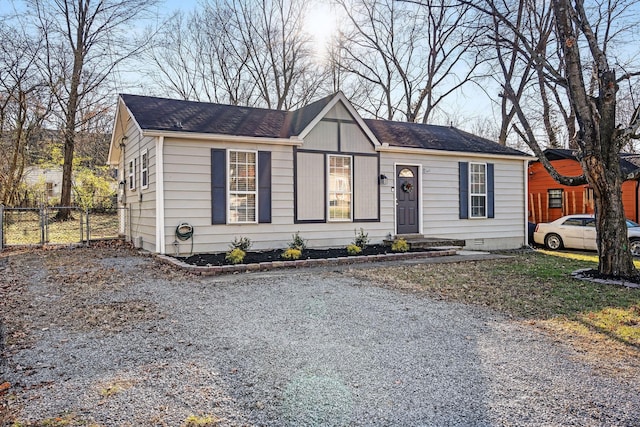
[536, 288]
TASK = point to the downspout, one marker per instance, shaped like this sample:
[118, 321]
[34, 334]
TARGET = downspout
[122, 188]
[160, 234]
[526, 201]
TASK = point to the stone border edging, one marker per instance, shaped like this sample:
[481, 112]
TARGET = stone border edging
[301, 263]
[578, 275]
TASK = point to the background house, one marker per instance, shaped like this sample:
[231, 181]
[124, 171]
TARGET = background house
[322, 171]
[549, 200]
[45, 182]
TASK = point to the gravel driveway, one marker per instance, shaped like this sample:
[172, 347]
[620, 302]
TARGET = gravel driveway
[107, 337]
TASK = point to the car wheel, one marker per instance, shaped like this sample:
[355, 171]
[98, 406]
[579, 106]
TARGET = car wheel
[634, 246]
[553, 242]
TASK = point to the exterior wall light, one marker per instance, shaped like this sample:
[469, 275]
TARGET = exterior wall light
[383, 179]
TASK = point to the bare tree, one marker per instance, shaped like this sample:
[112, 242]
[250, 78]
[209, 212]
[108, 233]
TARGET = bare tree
[241, 52]
[84, 41]
[24, 106]
[414, 55]
[580, 66]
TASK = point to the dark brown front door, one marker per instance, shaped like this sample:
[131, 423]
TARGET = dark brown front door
[407, 199]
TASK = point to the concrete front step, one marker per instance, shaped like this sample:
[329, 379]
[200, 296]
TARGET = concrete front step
[421, 242]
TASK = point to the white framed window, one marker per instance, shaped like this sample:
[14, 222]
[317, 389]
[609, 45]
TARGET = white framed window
[243, 186]
[340, 188]
[478, 190]
[131, 173]
[144, 169]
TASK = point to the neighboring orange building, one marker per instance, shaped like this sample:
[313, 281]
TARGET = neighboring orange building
[549, 200]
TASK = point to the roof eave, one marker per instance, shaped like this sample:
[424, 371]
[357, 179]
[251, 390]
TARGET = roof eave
[291, 141]
[119, 134]
[415, 150]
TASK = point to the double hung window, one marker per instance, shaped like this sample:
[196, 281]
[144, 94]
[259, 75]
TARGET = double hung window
[478, 189]
[131, 174]
[144, 169]
[555, 198]
[242, 186]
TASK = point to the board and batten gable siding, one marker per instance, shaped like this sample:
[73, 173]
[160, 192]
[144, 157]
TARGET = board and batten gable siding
[337, 133]
[439, 185]
[141, 202]
[338, 111]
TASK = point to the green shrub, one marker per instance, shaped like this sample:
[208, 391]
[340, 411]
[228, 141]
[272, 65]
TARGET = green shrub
[204, 421]
[291, 254]
[297, 242]
[235, 256]
[362, 239]
[400, 245]
[353, 249]
[242, 243]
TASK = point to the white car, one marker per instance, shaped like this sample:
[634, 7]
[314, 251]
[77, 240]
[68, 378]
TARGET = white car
[579, 232]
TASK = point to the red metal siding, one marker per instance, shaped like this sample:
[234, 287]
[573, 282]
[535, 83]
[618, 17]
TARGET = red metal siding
[575, 199]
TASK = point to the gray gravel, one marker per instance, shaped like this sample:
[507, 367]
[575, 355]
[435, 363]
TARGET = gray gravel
[302, 348]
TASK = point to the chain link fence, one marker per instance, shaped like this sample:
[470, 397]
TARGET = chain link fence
[44, 226]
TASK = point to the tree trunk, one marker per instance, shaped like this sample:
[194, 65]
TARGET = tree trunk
[598, 138]
[613, 249]
[70, 125]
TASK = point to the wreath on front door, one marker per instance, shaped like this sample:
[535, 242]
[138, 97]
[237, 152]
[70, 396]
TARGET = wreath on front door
[407, 187]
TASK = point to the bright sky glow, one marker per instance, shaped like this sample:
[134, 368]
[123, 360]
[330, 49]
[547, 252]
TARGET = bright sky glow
[321, 24]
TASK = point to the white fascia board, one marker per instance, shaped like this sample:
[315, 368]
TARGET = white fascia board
[424, 151]
[227, 138]
[340, 97]
[114, 147]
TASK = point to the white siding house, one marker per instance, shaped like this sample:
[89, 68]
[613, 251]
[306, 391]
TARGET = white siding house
[321, 171]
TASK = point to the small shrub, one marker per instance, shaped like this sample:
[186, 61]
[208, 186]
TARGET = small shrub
[205, 421]
[297, 242]
[235, 256]
[242, 243]
[362, 239]
[353, 249]
[291, 254]
[400, 245]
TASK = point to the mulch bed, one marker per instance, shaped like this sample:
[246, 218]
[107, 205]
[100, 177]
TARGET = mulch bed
[218, 259]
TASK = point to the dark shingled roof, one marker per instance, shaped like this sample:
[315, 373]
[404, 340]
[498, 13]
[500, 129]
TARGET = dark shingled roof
[164, 114]
[432, 137]
[629, 162]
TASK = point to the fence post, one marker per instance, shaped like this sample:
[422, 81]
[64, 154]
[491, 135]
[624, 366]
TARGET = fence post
[88, 226]
[1, 227]
[43, 224]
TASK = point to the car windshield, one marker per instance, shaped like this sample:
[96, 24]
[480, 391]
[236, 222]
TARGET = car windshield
[631, 224]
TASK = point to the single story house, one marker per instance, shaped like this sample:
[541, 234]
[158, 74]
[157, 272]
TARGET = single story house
[48, 179]
[225, 172]
[549, 200]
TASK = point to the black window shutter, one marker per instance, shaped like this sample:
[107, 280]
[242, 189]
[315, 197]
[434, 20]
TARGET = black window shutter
[463, 173]
[490, 192]
[264, 186]
[218, 186]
